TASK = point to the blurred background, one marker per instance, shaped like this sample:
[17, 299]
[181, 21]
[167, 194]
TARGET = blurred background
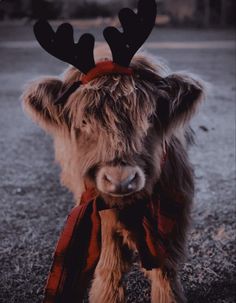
[201, 13]
[193, 35]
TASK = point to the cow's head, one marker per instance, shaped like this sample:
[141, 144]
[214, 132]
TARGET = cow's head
[113, 130]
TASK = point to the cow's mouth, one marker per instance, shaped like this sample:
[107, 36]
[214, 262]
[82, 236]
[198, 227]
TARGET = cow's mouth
[120, 194]
[124, 200]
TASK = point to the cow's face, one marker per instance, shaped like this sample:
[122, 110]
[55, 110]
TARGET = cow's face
[111, 131]
[116, 138]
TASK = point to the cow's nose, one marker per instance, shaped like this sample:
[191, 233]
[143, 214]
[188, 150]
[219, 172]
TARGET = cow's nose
[121, 185]
[120, 181]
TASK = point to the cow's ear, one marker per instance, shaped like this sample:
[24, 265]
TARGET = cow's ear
[178, 98]
[39, 102]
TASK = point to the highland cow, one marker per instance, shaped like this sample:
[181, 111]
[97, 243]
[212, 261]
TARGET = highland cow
[112, 133]
[126, 136]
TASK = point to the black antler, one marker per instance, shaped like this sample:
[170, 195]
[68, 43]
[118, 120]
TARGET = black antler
[136, 29]
[61, 45]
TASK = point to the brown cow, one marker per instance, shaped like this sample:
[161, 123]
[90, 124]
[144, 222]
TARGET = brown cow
[121, 128]
[112, 133]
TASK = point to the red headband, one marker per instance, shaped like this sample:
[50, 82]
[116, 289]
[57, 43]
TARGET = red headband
[106, 68]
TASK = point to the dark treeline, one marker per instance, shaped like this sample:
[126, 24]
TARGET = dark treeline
[203, 13]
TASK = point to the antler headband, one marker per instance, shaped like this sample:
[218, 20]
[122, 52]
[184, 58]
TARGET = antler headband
[123, 45]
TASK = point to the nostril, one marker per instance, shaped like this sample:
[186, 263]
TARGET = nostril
[108, 178]
[135, 177]
[129, 183]
[130, 179]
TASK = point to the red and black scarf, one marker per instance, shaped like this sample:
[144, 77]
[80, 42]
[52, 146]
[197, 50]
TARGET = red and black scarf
[79, 246]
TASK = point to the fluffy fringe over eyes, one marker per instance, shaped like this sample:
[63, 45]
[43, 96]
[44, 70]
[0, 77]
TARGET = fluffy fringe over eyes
[117, 107]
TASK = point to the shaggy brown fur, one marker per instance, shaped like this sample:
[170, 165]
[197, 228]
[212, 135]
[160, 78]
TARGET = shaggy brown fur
[122, 121]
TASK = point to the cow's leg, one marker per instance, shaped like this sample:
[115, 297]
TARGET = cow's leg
[106, 286]
[161, 291]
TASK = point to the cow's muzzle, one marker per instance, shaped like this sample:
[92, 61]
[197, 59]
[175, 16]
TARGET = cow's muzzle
[120, 180]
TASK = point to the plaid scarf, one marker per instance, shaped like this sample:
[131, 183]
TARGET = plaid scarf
[79, 246]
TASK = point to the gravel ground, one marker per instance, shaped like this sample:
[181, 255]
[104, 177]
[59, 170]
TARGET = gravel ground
[34, 205]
